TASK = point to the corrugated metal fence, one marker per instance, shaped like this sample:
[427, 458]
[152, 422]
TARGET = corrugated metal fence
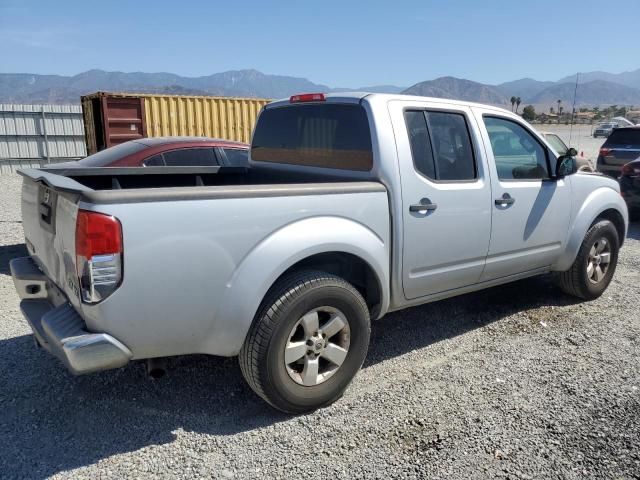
[34, 135]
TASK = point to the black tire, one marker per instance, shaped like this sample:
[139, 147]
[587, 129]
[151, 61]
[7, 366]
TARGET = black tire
[575, 281]
[262, 355]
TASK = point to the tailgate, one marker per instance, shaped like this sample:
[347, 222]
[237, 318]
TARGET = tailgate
[49, 213]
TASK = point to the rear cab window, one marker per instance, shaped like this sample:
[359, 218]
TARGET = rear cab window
[326, 135]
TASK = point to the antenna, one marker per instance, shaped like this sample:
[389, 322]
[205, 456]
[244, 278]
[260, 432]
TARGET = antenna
[573, 109]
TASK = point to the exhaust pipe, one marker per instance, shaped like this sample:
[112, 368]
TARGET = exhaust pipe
[156, 368]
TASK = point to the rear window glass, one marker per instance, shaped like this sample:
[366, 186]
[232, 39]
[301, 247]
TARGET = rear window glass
[314, 135]
[155, 161]
[627, 136]
[112, 154]
[237, 157]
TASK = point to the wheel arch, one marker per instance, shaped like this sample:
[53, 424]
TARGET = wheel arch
[337, 245]
[615, 217]
[601, 204]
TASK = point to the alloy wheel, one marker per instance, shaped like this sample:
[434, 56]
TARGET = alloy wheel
[317, 346]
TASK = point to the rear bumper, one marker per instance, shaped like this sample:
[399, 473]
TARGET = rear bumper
[609, 170]
[58, 327]
[630, 189]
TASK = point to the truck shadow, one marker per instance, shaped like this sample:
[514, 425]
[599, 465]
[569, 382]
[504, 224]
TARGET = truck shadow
[51, 421]
[7, 252]
[634, 230]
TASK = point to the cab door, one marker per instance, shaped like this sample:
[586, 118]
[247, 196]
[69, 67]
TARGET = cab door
[446, 197]
[530, 209]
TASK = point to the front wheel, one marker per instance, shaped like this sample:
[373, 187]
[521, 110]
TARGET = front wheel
[308, 340]
[593, 268]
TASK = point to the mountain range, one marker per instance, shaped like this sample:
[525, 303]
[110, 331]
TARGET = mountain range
[594, 88]
[33, 88]
[593, 91]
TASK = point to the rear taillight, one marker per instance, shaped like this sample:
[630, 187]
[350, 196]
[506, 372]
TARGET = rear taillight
[605, 151]
[98, 255]
[631, 169]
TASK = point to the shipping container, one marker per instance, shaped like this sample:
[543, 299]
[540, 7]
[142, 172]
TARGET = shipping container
[113, 118]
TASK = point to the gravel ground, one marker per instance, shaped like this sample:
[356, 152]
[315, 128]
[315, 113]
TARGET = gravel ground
[518, 381]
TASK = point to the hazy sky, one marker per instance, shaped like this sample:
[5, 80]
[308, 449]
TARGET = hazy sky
[338, 43]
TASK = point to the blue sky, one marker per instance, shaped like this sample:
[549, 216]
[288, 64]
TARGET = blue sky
[338, 43]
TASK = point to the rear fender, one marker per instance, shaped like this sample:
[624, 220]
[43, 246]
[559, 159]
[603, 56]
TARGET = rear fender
[287, 246]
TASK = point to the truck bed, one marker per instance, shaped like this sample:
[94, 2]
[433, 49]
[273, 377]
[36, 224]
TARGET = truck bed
[116, 185]
[200, 245]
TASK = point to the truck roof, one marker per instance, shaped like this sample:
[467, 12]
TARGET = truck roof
[356, 97]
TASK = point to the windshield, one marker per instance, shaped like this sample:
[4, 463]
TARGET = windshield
[108, 156]
[557, 143]
[314, 135]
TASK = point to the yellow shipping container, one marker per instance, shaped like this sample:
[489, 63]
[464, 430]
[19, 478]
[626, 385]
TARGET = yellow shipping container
[113, 118]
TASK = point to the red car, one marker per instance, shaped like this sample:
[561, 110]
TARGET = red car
[170, 151]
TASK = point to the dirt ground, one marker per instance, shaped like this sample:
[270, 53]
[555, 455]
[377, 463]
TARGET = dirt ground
[518, 381]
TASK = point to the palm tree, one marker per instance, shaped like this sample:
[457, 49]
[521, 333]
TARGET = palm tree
[513, 102]
[559, 110]
[551, 110]
[518, 102]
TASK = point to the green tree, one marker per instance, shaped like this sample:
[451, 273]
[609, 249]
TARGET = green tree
[621, 112]
[529, 113]
[560, 108]
[559, 102]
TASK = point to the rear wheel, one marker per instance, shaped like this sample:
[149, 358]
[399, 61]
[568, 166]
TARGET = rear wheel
[307, 342]
[593, 268]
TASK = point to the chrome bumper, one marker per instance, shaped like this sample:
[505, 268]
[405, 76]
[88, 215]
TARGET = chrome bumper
[58, 327]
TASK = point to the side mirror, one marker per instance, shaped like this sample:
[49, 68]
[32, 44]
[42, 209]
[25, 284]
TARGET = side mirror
[566, 164]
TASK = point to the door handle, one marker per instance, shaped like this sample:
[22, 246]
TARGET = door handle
[505, 200]
[425, 205]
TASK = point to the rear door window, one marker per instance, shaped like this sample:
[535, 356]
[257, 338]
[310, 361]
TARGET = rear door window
[191, 157]
[441, 145]
[324, 135]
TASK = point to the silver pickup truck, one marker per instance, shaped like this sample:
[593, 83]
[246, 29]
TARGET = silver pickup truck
[354, 205]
